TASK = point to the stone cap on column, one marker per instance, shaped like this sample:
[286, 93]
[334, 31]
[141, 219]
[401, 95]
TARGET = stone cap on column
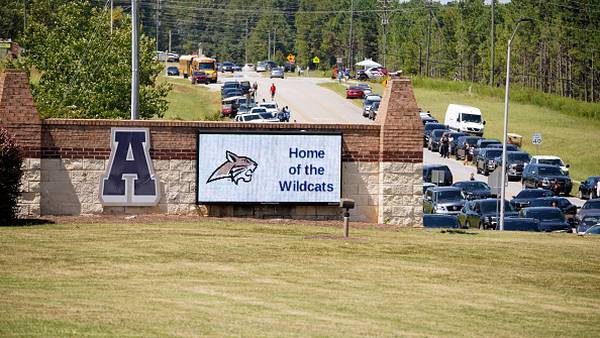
[401, 137]
[18, 113]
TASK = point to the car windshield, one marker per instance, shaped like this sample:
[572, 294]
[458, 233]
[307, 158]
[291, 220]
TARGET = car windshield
[269, 105]
[554, 161]
[591, 220]
[206, 66]
[375, 105]
[364, 85]
[354, 88]
[451, 195]
[471, 141]
[548, 202]
[546, 215]
[521, 157]
[432, 126]
[592, 205]
[594, 230]
[534, 193]
[471, 118]
[471, 186]
[266, 115]
[172, 68]
[259, 110]
[555, 171]
[493, 153]
[487, 143]
[493, 206]
[430, 221]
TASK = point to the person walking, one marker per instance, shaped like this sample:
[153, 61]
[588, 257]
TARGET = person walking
[272, 90]
[444, 146]
[467, 151]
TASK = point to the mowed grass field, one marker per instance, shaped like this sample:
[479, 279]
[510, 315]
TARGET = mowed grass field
[191, 102]
[225, 278]
[575, 139]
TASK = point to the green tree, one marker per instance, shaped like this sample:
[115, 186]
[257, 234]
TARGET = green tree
[84, 70]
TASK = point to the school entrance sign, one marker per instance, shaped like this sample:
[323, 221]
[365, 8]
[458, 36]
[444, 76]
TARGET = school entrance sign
[269, 168]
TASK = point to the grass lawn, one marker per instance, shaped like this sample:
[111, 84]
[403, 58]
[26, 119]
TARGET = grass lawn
[223, 278]
[191, 102]
[575, 139]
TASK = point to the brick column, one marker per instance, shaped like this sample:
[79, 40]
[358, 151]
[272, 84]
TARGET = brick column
[19, 116]
[400, 156]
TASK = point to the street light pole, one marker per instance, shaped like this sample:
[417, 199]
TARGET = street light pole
[134, 60]
[505, 136]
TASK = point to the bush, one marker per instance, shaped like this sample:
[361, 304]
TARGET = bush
[11, 160]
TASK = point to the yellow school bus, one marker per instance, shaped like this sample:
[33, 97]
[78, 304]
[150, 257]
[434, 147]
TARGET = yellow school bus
[185, 65]
[207, 65]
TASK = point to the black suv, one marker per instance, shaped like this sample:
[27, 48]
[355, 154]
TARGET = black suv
[443, 200]
[428, 170]
[460, 146]
[428, 128]
[486, 160]
[482, 144]
[516, 162]
[525, 196]
[587, 189]
[474, 190]
[545, 176]
[551, 219]
[483, 213]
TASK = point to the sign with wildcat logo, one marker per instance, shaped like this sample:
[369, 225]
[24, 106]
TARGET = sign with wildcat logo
[269, 168]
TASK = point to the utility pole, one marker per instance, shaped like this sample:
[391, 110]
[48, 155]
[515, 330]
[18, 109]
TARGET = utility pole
[134, 60]
[169, 41]
[111, 17]
[350, 35]
[384, 22]
[157, 22]
[269, 47]
[246, 44]
[428, 4]
[274, 41]
[24, 15]
[493, 38]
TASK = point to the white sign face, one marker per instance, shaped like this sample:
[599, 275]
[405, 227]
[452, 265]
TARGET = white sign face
[537, 138]
[269, 168]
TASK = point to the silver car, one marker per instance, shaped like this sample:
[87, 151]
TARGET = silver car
[277, 72]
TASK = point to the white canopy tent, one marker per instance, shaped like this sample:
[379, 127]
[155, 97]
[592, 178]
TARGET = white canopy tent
[368, 63]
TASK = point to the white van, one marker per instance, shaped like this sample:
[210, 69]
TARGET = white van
[465, 119]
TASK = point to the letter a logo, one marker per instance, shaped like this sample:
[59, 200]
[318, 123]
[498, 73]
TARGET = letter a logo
[129, 178]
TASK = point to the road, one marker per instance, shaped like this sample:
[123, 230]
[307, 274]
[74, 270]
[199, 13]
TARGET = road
[311, 103]
[308, 102]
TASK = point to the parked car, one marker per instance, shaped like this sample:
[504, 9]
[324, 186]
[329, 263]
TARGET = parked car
[261, 66]
[545, 176]
[595, 230]
[199, 77]
[361, 75]
[428, 119]
[427, 185]
[443, 200]
[520, 224]
[551, 219]
[172, 71]
[354, 92]
[230, 85]
[567, 208]
[474, 190]
[237, 68]
[428, 170]
[428, 129]
[509, 147]
[482, 144]
[440, 221]
[368, 102]
[245, 108]
[245, 86]
[550, 160]
[271, 107]
[367, 90]
[452, 137]
[172, 57]
[227, 109]
[525, 196]
[435, 139]
[483, 213]
[465, 119]
[588, 221]
[589, 207]
[277, 72]
[587, 189]
[248, 118]
[515, 163]
[232, 93]
[249, 67]
[486, 160]
[373, 110]
[461, 149]
[227, 67]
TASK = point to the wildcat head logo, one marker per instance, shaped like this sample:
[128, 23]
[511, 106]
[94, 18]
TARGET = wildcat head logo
[236, 168]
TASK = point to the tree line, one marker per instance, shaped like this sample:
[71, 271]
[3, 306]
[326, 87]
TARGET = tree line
[555, 53]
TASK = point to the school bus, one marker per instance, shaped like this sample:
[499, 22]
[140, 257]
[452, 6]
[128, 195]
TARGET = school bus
[185, 65]
[207, 65]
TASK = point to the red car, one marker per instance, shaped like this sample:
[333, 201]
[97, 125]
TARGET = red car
[199, 77]
[354, 93]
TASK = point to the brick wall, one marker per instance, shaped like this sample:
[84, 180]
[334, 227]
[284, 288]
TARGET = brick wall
[380, 163]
